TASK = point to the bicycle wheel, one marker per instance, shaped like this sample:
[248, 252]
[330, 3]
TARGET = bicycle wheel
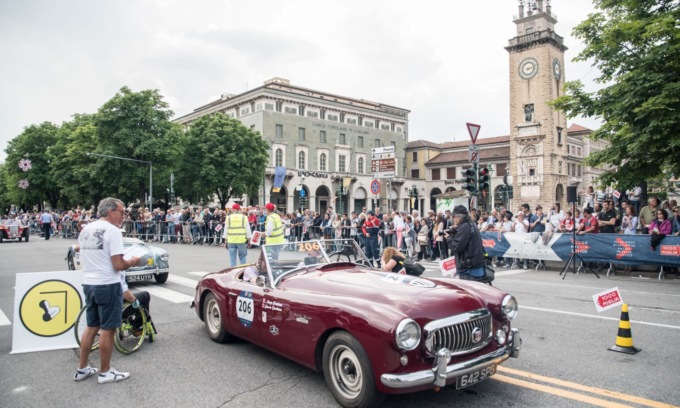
[130, 335]
[79, 328]
[339, 257]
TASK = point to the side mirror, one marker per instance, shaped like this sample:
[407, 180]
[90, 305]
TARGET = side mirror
[261, 281]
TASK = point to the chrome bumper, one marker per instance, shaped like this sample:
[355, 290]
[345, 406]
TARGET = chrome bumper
[441, 373]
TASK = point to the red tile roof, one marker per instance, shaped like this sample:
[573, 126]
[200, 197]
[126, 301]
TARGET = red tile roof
[489, 154]
[577, 128]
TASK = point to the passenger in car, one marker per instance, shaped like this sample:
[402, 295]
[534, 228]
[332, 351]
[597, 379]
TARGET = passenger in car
[393, 260]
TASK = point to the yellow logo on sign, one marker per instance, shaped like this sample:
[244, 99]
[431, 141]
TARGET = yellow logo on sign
[50, 308]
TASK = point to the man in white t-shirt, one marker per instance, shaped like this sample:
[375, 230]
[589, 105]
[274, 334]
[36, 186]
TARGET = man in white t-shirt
[101, 254]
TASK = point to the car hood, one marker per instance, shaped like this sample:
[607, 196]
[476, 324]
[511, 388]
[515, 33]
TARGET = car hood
[413, 296]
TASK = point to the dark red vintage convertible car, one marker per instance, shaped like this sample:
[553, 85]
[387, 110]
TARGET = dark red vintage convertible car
[371, 333]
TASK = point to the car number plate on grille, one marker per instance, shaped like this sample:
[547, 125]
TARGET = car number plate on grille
[135, 278]
[475, 376]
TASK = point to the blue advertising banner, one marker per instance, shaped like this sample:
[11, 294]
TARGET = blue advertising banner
[279, 176]
[614, 248]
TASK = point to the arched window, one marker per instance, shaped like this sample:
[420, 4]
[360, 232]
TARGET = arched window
[322, 162]
[361, 165]
[279, 158]
[301, 160]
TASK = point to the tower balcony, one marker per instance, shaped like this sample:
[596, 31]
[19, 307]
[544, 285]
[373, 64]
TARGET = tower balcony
[538, 37]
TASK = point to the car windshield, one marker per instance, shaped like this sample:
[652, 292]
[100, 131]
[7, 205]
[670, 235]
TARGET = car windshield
[9, 223]
[284, 258]
[130, 242]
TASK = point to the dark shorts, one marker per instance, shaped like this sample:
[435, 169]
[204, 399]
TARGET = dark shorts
[104, 305]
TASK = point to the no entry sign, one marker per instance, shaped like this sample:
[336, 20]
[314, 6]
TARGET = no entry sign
[608, 299]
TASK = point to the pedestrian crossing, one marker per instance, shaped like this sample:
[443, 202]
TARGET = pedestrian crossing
[4, 320]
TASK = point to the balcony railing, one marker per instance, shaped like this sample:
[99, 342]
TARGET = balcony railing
[536, 36]
[531, 180]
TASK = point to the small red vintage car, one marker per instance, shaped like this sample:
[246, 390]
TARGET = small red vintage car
[13, 229]
[370, 332]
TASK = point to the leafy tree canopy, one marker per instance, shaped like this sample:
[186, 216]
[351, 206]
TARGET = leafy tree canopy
[635, 44]
[223, 158]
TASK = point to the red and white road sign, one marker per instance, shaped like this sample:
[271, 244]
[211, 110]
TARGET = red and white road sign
[474, 131]
[375, 187]
[608, 299]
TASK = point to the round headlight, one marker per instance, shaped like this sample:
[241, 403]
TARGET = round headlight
[164, 257]
[510, 306]
[501, 337]
[407, 334]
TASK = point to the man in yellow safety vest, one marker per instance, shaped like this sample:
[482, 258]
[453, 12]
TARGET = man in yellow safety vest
[237, 235]
[273, 230]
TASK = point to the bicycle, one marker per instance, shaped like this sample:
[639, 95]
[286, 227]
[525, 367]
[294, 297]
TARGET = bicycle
[136, 326]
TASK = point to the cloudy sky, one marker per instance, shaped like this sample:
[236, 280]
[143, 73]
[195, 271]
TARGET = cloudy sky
[443, 60]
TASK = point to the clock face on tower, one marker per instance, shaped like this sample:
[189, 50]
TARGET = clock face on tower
[557, 69]
[528, 68]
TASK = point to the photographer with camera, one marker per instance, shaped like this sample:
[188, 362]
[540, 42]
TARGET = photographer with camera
[466, 246]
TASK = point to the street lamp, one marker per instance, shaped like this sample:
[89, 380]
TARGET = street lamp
[413, 195]
[137, 161]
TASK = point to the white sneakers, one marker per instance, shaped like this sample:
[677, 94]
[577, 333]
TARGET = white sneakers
[112, 376]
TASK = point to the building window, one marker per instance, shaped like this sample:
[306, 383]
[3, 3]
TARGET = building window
[579, 171]
[301, 160]
[360, 141]
[322, 162]
[559, 170]
[369, 123]
[279, 131]
[258, 106]
[351, 121]
[332, 117]
[322, 136]
[341, 163]
[578, 152]
[532, 172]
[245, 111]
[435, 174]
[399, 129]
[384, 126]
[377, 142]
[450, 173]
[301, 134]
[269, 106]
[360, 165]
[415, 157]
[342, 139]
[291, 110]
[278, 158]
[415, 173]
[559, 136]
[312, 114]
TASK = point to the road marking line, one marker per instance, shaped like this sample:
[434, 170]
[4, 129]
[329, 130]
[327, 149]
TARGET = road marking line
[667, 326]
[169, 295]
[199, 273]
[595, 288]
[581, 387]
[4, 321]
[190, 283]
[558, 392]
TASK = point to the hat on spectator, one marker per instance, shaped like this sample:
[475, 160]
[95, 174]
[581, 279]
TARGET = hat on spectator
[459, 210]
[270, 207]
[236, 207]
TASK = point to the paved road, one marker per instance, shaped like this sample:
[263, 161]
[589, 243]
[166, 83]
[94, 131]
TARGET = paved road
[564, 362]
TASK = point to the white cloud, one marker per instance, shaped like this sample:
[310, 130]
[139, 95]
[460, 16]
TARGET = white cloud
[444, 61]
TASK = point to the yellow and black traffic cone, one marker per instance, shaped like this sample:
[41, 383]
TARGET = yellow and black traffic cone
[624, 339]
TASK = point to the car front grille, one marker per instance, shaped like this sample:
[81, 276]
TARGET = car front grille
[460, 334]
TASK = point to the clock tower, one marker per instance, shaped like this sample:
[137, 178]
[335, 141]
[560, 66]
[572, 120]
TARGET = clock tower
[538, 136]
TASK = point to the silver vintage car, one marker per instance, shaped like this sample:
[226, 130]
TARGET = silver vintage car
[154, 261]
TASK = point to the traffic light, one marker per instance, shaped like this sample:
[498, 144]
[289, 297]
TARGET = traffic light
[510, 195]
[470, 183]
[483, 180]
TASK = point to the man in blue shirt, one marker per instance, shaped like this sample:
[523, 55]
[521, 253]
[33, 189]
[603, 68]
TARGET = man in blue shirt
[46, 222]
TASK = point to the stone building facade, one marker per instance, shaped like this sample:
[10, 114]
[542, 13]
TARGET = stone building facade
[325, 143]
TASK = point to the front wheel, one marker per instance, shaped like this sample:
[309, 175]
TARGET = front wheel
[214, 323]
[161, 277]
[79, 328]
[348, 372]
[130, 335]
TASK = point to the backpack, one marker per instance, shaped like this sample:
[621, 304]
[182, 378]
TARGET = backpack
[413, 268]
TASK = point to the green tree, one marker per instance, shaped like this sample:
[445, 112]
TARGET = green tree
[32, 144]
[135, 125]
[635, 44]
[223, 158]
[71, 169]
[5, 203]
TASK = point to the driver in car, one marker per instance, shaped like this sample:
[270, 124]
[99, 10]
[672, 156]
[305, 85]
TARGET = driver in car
[311, 259]
[251, 272]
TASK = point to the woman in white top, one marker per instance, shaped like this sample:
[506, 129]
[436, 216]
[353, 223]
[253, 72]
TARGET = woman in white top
[521, 225]
[629, 222]
[398, 227]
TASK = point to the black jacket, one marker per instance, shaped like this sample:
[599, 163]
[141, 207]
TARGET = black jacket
[467, 247]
